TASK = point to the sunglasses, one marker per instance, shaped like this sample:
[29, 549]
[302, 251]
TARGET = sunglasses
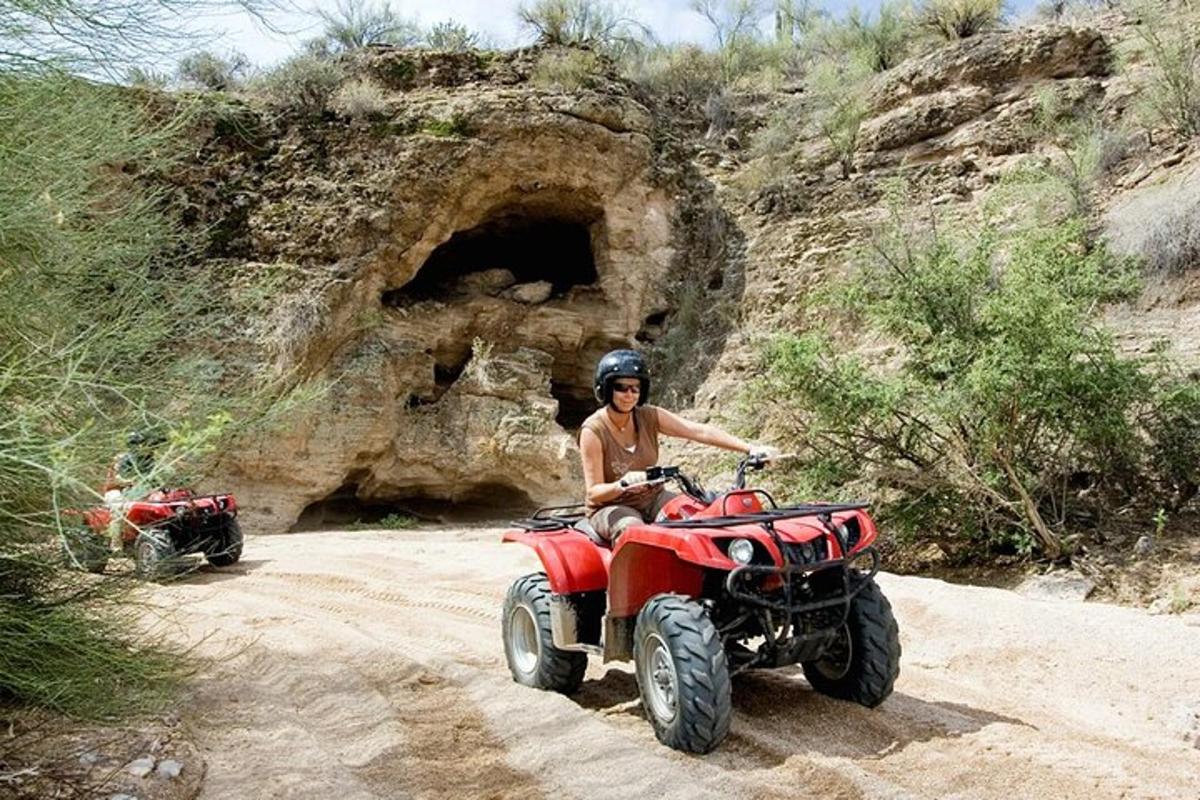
[625, 388]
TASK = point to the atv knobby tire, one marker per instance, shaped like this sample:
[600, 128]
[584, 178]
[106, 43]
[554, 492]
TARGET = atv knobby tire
[154, 555]
[228, 550]
[528, 641]
[682, 674]
[863, 663]
[84, 549]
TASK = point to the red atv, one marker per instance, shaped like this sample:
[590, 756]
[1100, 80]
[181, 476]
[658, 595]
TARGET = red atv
[724, 583]
[159, 531]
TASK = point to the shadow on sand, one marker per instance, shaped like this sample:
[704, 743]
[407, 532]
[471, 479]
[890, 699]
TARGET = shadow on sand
[778, 715]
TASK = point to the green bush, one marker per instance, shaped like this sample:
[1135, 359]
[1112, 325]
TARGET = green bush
[452, 126]
[961, 19]
[303, 83]
[598, 24]
[1170, 93]
[208, 70]
[353, 24]
[687, 72]
[1004, 396]
[451, 36]
[837, 95]
[567, 70]
[881, 40]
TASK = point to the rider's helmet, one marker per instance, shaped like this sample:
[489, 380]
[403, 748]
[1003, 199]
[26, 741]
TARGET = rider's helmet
[621, 364]
[144, 439]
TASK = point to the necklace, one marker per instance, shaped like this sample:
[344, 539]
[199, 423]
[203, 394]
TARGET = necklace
[620, 428]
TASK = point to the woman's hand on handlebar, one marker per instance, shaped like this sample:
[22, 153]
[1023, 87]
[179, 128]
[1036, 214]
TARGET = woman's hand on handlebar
[633, 478]
[762, 454]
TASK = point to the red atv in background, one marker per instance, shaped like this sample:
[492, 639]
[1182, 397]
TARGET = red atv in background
[158, 531]
[721, 585]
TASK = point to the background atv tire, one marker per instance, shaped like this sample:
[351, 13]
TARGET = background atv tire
[83, 549]
[529, 644]
[862, 666]
[154, 555]
[676, 643]
[227, 551]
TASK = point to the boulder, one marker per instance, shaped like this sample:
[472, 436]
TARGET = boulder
[530, 293]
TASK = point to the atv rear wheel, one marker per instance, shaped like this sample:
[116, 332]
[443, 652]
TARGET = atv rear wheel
[228, 550]
[529, 643]
[862, 663]
[83, 549]
[682, 674]
[154, 555]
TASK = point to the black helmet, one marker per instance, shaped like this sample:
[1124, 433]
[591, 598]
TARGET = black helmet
[621, 364]
[144, 438]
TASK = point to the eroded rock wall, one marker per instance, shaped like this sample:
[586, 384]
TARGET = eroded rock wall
[552, 220]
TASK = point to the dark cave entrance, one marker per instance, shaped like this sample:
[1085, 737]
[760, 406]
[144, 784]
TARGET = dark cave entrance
[343, 508]
[531, 246]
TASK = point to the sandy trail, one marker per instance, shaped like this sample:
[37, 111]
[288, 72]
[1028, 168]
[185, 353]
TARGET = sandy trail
[369, 664]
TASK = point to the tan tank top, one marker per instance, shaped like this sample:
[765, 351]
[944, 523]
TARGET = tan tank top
[618, 460]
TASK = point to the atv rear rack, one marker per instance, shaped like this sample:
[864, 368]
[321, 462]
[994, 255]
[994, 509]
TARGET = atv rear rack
[547, 518]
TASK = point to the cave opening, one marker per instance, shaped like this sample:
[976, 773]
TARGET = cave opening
[575, 404]
[343, 508]
[531, 246]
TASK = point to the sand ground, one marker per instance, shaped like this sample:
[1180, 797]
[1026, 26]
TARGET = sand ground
[368, 664]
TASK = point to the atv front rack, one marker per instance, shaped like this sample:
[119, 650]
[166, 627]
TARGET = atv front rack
[766, 516]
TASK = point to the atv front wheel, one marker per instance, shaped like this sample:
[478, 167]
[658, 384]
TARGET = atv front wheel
[682, 674]
[83, 549]
[863, 661]
[529, 643]
[154, 555]
[228, 549]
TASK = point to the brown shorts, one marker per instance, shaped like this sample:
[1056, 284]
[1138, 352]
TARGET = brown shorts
[611, 521]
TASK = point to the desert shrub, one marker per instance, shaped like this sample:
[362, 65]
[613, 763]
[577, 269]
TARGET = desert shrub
[451, 126]
[837, 93]
[95, 340]
[451, 36]
[1173, 426]
[1006, 390]
[208, 70]
[1170, 92]
[353, 24]
[960, 19]
[882, 39]
[1172, 243]
[686, 72]
[567, 70]
[360, 99]
[597, 24]
[304, 83]
[1087, 149]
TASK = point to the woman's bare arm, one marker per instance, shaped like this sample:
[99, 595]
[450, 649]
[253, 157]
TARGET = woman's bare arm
[675, 425]
[598, 492]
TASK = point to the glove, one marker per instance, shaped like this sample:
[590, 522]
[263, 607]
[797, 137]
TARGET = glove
[631, 479]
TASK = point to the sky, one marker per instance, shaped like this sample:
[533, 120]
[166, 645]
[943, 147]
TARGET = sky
[670, 21]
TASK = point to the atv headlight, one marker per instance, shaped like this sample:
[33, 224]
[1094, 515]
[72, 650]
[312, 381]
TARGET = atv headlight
[741, 551]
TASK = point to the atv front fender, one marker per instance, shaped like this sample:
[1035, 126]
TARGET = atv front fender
[641, 570]
[573, 563]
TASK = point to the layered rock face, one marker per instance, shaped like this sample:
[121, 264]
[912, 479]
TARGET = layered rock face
[469, 250]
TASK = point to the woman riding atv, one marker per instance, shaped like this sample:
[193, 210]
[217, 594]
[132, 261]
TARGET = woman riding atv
[619, 442]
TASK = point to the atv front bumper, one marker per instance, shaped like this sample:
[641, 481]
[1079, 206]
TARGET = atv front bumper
[852, 582]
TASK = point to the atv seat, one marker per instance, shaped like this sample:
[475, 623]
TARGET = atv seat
[585, 527]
